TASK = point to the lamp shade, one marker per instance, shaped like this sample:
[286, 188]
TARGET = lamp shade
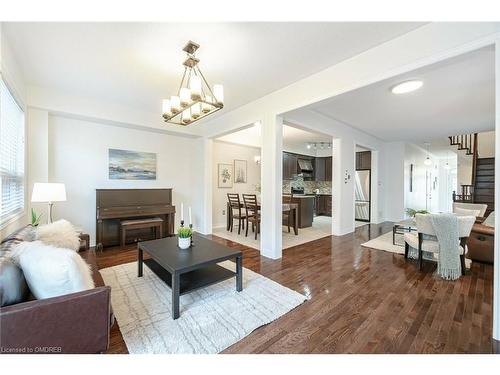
[48, 192]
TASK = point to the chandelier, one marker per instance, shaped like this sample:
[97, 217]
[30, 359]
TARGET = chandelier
[195, 99]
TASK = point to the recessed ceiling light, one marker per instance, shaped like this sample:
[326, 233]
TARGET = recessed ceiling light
[405, 87]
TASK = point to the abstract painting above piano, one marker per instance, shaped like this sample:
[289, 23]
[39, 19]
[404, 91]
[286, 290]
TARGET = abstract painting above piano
[131, 165]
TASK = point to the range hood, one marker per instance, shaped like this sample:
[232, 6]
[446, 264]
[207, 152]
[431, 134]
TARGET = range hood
[305, 165]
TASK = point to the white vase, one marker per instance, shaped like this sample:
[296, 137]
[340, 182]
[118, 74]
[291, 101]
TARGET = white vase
[184, 243]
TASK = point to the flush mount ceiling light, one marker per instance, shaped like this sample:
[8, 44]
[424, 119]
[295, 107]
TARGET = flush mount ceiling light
[317, 145]
[195, 98]
[406, 87]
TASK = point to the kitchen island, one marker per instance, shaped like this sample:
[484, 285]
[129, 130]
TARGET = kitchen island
[305, 209]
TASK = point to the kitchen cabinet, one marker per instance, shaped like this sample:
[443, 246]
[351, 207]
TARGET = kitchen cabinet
[324, 205]
[319, 169]
[328, 169]
[289, 165]
[363, 160]
[323, 169]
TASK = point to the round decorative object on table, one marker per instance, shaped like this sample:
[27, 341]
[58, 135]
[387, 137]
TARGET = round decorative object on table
[184, 243]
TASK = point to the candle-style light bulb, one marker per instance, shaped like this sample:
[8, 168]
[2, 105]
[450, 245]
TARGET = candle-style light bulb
[206, 107]
[175, 104]
[186, 116]
[219, 94]
[195, 87]
[185, 95]
[166, 108]
[195, 111]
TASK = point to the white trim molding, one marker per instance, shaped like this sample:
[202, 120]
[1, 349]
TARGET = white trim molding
[496, 265]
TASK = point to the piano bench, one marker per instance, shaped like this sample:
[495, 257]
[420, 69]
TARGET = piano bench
[155, 223]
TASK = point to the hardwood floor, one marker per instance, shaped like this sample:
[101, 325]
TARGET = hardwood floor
[361, 301]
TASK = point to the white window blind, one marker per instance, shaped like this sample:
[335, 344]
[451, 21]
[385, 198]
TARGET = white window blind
[11, 155]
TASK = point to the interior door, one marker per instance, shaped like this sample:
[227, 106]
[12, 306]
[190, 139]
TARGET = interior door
[362, 196]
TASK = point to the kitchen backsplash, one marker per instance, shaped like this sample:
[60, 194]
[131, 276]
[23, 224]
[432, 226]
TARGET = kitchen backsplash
[325, 187]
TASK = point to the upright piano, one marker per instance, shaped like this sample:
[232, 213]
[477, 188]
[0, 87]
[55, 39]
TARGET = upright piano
[114, 205]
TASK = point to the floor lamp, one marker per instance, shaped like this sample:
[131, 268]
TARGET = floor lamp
[48, 193]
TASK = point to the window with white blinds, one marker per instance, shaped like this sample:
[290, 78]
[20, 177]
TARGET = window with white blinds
[11, 156]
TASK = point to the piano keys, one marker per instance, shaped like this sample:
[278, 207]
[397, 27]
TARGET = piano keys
[114, 205]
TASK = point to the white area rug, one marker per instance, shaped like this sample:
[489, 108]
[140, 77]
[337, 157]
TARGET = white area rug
[384, 242]
[322, 227]
[212, 318]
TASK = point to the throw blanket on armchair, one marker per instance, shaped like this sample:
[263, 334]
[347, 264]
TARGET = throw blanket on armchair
[446, 228]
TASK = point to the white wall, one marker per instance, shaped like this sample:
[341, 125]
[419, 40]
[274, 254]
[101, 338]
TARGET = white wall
[486, 144]
[416, 198]
[226, 153]
[464, 171]
[78, 157]
[446, 184]
[392, 180]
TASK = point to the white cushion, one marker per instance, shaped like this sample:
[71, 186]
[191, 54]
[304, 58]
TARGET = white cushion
[431, 246]
[490, 220]
[471, 206]
[466, 212]
[427, 245]
[60, 233]
[51, 271]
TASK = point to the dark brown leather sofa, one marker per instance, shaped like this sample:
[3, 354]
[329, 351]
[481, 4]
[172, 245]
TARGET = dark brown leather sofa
[73, 323]
[481, 243]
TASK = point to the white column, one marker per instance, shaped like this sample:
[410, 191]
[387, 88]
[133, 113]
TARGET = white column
[496, 274]
[344, 153]
[271, 186]
[374, 195]
[208, 185]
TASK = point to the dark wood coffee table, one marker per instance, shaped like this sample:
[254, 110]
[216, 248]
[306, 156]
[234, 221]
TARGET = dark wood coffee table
[190, 269]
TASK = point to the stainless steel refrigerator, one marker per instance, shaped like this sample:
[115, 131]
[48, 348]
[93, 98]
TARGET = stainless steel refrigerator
[362, 195]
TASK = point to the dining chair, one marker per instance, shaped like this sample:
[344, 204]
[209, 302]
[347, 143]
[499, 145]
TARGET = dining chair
[234, 209]
[287, 215]
[425, 238]
[252, 213]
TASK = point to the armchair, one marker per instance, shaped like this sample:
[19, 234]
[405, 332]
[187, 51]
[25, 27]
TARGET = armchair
[425, 237]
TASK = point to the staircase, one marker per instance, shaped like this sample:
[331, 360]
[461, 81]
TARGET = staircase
[482, 188]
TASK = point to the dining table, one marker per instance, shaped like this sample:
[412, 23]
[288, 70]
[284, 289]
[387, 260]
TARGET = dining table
[286, 207]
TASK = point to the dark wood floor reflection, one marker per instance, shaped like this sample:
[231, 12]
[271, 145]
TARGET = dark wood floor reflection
[361, 301]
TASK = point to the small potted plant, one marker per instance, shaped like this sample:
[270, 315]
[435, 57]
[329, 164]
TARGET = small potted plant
[412, 212]
[184, 235]
[35, 218]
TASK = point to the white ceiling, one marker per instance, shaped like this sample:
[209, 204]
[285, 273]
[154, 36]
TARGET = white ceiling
[293, 138]
[138, 64]
[458, 97]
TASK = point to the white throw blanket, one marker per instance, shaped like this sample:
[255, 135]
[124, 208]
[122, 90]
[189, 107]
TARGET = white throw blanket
[446, 228]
